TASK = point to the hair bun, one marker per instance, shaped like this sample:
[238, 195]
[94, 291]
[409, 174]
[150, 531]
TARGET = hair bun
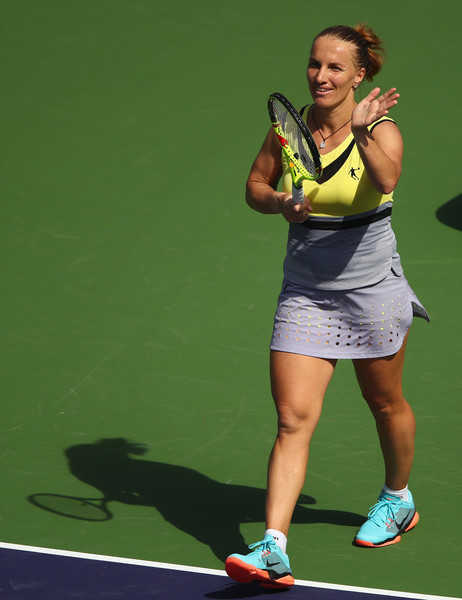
[373, 50]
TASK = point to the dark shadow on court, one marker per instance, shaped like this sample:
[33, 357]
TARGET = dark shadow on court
[208, 510]
[450, 213]
[238, 591]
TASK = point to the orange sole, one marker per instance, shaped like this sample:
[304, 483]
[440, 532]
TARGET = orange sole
[244, 573]
[395, 540]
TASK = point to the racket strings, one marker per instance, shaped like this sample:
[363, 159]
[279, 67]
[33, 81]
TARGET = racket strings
[295, 138]
[304, 153]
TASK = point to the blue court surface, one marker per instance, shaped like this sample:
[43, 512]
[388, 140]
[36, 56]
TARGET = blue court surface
[30, 573]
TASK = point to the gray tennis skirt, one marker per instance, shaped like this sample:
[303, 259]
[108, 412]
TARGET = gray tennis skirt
[365, 323]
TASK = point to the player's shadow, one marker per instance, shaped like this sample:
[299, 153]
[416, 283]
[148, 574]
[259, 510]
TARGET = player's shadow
[208, 510]
[450, 213]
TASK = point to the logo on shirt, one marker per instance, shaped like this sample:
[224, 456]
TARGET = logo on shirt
[352, 173]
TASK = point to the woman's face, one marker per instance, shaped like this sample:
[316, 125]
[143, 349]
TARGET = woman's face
[332, 72]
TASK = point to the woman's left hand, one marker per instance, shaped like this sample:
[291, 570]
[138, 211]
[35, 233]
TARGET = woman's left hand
[373, 108]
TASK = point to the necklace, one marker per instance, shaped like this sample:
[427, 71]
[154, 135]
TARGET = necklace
[323, 143]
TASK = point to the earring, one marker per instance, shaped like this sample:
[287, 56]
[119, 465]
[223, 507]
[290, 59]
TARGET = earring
[355, 86]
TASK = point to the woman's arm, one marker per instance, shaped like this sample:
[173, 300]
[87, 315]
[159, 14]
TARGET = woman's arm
[382, 149]
[261, 187]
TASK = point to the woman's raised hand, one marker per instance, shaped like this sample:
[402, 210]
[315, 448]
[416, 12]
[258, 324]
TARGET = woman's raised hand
[373, 107]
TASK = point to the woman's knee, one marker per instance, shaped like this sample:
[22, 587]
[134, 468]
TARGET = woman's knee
[385, 407]
[297, 420]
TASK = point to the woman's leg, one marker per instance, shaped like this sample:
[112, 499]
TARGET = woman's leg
[380, 380]
[298, 385]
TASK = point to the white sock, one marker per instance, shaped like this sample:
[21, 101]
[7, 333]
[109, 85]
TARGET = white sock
[278, 537]
[403, 494]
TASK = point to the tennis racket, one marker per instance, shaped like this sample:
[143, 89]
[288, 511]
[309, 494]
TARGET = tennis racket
[297, 144]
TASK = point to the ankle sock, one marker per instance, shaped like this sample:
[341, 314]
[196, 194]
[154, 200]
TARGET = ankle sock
[403, 494]
[278, 537]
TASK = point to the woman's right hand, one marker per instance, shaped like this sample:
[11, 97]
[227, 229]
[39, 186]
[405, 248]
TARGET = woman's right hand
[293, 213]
[261, 185]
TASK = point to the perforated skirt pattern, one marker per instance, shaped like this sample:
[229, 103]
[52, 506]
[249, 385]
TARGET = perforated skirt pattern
[365, 323]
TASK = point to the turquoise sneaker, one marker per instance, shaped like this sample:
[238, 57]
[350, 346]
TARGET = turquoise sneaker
[386, 520]
[266, 564]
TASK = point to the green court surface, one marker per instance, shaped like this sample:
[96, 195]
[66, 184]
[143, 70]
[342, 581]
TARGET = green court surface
[138, 289]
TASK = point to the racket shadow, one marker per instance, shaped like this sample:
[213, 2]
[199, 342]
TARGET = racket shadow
[208, 510]
[83, 509]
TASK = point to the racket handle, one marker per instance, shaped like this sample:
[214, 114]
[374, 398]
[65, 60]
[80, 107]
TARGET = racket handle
[298, 196]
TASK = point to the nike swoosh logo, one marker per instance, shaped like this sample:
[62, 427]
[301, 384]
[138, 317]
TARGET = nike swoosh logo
[273, 564]
[402, 523]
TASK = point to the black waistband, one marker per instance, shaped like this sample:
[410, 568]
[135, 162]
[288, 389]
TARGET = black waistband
[331, 225]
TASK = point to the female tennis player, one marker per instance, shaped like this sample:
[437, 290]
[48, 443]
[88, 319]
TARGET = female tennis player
[344, 294]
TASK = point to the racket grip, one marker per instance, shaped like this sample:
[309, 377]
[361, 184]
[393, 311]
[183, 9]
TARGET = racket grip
[298, 196]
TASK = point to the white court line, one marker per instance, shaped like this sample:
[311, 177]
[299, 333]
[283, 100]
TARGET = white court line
[204, 571]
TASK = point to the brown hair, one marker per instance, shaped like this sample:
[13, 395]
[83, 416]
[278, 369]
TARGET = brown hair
[368, 46]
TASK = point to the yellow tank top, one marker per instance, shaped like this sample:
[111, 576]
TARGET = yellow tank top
[344, 188]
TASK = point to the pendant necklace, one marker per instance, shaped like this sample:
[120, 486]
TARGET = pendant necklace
[323, 143]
